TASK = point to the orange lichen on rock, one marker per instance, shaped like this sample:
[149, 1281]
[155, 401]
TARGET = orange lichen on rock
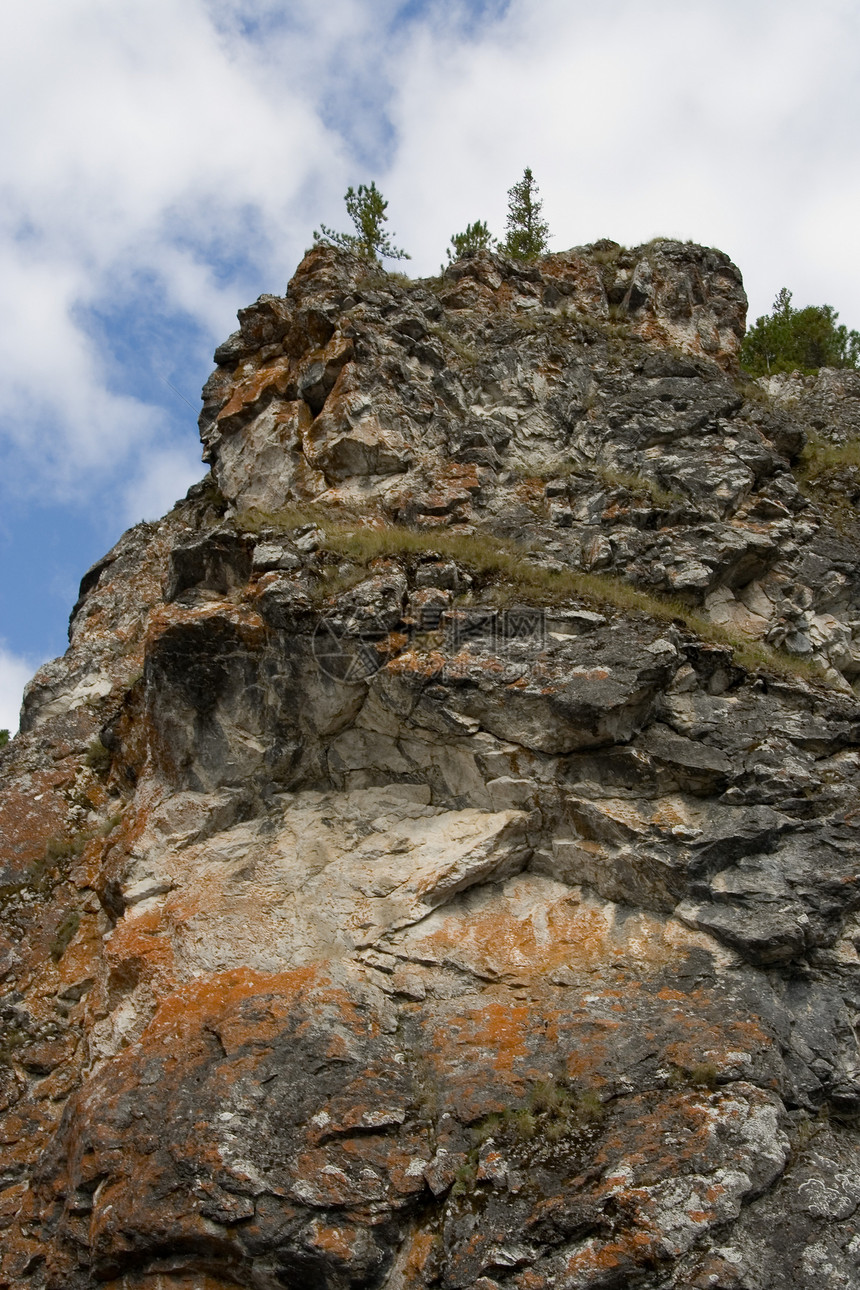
[271, 379]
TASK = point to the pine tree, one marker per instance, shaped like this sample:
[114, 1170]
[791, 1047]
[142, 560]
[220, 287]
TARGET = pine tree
[798, 340]
[477, 237]
[527, 234]
[366, 208]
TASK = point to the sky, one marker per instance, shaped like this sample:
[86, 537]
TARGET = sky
[164, 163]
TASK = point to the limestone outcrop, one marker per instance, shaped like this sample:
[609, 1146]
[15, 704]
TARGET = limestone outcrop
[434, 863]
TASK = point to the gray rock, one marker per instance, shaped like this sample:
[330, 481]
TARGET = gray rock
[217, 563]
[270, 555]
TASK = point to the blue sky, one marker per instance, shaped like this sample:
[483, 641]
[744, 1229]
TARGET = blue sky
[163, 164]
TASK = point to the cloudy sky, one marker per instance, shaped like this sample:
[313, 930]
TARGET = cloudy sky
[165, 161]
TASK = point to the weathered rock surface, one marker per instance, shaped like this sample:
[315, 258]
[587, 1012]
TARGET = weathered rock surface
[828, 402]
[394, 893]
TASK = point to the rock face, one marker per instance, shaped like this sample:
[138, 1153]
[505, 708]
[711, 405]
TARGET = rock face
[434, 863]
[828, 402]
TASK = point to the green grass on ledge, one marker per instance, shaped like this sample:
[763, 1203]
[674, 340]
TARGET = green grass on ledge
[517, 577]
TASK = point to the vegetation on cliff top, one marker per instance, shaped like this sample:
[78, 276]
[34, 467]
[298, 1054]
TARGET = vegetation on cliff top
[526, 237]
[475, 237]
[786, 340]
[527, 234]
[366, 208]
[798, 340]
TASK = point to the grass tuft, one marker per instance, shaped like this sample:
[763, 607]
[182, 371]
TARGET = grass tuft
[820, 456]
[488, 1127]
[465, 1176]
[256, 521]
[547, 1096]
[525, 1123]
[66, 929]
[588, 1107]
[826, 474]
[98, 757]
[700, 1075]
[663, 497]
[66, 846]
[608, 254]
[467, 354]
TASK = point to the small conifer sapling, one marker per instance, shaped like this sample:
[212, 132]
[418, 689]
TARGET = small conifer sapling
[527, 234]
[366, 208]
[476, 237]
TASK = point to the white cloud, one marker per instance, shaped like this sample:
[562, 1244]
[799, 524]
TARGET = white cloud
[141, 143]
[162, 479]
[15, 672]
[59, 418]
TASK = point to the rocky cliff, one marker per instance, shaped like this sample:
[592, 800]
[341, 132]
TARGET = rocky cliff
[434, 862]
